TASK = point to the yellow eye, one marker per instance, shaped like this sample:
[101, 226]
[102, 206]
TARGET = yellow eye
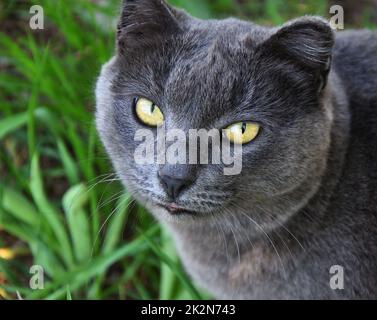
[149, 113]
[242, 132]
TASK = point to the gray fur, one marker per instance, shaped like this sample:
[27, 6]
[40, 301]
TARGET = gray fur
[306, 198]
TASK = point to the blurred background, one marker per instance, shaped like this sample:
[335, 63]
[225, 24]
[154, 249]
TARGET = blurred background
[61, 206]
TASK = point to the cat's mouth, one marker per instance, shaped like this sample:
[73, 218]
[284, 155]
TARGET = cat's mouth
[175, 209]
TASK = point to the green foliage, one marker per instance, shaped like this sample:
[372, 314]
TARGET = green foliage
[60, 204]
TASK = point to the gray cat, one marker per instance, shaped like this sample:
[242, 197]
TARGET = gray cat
[300, 222]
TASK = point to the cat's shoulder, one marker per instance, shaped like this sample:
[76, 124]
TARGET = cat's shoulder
[355, 60]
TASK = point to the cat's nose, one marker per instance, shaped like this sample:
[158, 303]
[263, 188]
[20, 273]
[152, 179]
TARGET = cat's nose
[175, 180]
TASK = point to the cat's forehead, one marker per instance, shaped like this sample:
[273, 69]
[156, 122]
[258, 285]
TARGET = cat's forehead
[209, 76]
[200, 85]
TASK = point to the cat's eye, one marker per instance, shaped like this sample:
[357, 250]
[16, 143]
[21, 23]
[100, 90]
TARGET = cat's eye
[149, 113]
[242, 132]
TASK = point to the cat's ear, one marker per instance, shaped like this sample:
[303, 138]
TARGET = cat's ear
[306, 41]
[144, 22]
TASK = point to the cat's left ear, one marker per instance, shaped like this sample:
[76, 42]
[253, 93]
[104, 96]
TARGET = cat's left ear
[307, 42]
[145, 22]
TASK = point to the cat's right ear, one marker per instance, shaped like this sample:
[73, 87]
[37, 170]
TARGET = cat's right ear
[144, 23]
[306, 42]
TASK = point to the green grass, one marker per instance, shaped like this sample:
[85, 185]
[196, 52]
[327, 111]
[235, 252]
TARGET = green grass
[60, 206]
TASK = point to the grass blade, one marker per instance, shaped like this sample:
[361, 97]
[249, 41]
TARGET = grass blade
[74, 202]
[49, 212]
[12, 123]
[21, 208]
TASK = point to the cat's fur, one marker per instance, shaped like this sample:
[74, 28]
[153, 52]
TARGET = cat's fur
[307, 196]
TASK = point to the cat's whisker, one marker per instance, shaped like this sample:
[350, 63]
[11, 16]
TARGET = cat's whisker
[222, 234]
[235, 240]
[284, 243]
[265, 233]
[235, 292]
[99, 205]
[105, 176]
[292, 235]
[100, 179]
[108, 201]
[244, 232]
[107, 219]
[285, 228]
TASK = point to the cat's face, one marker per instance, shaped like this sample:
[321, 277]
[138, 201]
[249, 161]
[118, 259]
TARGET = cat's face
[211, 75]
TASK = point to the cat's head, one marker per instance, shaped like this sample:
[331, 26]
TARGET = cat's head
[194, 74]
